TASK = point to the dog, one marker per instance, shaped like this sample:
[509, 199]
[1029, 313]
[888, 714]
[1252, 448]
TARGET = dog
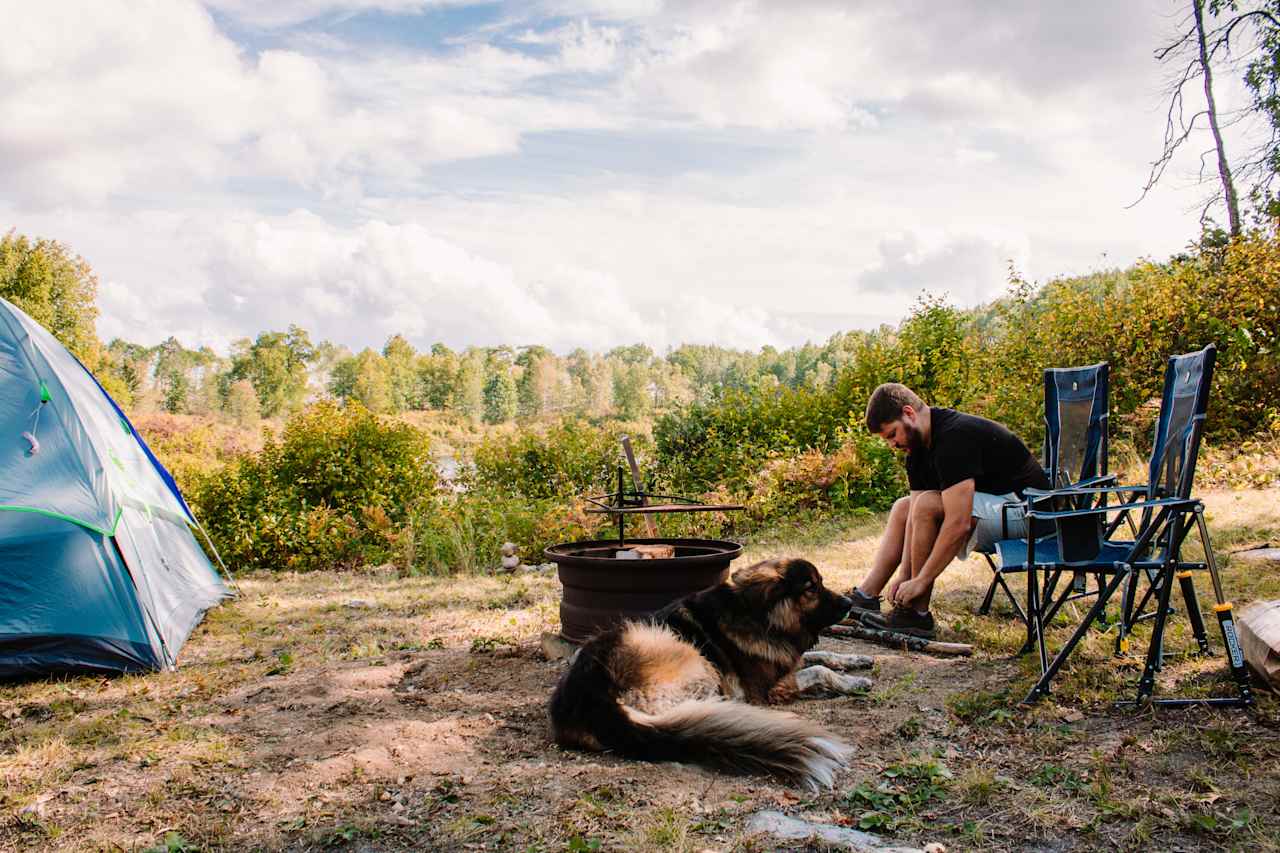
[685, 685]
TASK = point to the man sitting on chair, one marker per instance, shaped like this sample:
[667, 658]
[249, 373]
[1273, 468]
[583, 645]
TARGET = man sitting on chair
[961, 469]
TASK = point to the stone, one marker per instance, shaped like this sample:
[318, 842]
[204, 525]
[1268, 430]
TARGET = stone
[836, 660]
[359, 604]
[556, 647]
[793, 830]
[1258, 555]
[508, 549]
[511, 563]
[820, 681]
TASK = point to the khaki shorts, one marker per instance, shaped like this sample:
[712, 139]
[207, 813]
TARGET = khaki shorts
[989, 530]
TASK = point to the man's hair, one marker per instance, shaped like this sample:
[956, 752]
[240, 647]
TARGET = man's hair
[885, 405]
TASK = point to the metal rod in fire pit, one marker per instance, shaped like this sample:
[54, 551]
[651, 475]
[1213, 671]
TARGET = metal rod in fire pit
[650, 528]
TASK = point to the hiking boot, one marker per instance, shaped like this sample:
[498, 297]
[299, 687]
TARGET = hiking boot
[862, 605]
[903, 620]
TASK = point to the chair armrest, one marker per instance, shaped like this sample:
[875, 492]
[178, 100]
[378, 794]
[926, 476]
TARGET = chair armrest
[1069, 491]
[1103, 510]
[1100, 480]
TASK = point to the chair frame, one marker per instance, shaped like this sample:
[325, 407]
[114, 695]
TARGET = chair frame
[1058, 478]
[1156, 550]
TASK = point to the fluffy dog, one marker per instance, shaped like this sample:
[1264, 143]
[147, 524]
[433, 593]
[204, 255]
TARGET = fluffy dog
[677, 686]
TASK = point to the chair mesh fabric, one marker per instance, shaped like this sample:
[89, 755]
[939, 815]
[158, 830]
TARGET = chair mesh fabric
[1076, 424]
[1182, 407]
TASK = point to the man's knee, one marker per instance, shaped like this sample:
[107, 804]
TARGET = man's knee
[900, 509]
[927, 505]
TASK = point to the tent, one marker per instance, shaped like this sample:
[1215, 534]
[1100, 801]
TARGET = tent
[100, 570]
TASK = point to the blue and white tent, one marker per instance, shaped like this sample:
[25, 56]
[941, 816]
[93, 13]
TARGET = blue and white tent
[100, 570]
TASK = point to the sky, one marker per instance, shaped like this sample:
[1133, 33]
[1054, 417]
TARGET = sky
[581, 172]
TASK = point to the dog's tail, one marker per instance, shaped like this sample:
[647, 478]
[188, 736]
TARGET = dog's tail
[742, 738]
[721, 733]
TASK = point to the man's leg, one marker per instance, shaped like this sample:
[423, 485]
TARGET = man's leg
[926, 521]
[923, 524]
[889, 552]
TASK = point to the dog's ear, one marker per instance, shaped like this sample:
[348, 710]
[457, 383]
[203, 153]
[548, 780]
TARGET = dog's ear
[760, 586]
[799, 575]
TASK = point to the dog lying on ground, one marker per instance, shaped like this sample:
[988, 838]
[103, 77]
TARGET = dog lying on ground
[677, 687]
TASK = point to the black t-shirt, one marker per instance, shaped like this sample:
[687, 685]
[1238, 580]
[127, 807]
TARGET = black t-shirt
[964, 446]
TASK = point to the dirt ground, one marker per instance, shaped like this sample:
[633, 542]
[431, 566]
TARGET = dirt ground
[375, 713]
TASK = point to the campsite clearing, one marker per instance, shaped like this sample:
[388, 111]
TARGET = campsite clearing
[371, 712]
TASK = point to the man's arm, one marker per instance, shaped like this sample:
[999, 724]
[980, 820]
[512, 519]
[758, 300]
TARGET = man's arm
[957, 524]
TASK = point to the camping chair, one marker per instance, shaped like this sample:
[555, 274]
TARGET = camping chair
[1075, 453]
[1081, 541]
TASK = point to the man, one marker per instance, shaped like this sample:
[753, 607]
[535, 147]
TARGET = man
[961, 470]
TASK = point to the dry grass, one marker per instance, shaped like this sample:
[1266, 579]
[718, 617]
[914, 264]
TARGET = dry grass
[372, 712]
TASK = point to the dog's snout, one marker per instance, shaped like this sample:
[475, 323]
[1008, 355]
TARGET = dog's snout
[844, 604]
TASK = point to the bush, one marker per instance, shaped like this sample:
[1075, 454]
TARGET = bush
[464, 532]
[862, 473]
[568, 459]
[193, 447]
[333, 491]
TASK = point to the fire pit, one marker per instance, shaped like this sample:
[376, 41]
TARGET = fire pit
[607, 581]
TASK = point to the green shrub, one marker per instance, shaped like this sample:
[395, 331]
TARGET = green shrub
[333, 491]
[568, 459]
[464, 532]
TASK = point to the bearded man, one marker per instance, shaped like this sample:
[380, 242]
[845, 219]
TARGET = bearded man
[961, 470]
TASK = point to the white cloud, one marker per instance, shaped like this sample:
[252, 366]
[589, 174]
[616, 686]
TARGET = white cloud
[281, 13]
[578, 172]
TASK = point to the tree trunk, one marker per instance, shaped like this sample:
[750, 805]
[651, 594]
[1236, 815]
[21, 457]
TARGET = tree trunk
[1224, 169]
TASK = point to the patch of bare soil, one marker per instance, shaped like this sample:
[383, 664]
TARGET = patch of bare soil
[416, 720]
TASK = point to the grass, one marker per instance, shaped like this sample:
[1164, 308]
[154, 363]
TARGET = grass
[373, 712]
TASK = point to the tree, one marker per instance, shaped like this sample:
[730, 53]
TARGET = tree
[172, 365]
[468, 392]
[437, 376]
[402, 377]
[631, 397]
[539, 381]
[56, 287]
[1262, 76]
[243, 405]
[276, 364]
[1199, 46]
[364, 378]
[499, 396]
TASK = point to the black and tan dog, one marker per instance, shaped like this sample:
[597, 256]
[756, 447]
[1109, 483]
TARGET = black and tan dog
[677, 687]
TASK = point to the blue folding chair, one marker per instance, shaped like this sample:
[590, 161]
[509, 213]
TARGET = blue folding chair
[1075, 454]
[1082, 541]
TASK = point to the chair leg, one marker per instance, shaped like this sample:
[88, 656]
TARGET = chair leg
[991, 589]
[1126, 612]
[1193, 611]
[1235, 655]
[1041, 687]
[998, 582]
[1013, 600]
[1155, 649]
[1035, 611]
[1046, 595]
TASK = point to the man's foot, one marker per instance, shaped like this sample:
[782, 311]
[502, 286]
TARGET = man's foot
[862, 605]
[903, 620]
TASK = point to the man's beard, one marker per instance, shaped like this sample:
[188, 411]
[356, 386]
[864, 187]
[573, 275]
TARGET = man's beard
[915, 438]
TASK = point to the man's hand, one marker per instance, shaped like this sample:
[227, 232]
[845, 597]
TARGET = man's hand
[909, 590]
[898, 579]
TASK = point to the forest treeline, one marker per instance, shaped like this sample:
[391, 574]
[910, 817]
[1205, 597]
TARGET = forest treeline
[344, 481]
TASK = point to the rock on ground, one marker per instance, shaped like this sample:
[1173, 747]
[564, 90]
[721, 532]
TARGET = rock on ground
[793, 829]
